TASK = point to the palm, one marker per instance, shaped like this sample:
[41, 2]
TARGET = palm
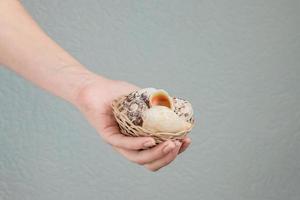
[99, 110]
[96, 101]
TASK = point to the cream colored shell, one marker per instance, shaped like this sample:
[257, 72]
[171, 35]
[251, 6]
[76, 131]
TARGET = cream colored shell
[163, 119]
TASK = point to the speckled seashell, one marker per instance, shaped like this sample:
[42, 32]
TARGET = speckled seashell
[136, 103]
[183, 109]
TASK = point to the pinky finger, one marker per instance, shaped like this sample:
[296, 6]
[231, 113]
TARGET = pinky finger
[156, 165]
[186, 143]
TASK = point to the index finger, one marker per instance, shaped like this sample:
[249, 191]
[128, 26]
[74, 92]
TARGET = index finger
[127, 142]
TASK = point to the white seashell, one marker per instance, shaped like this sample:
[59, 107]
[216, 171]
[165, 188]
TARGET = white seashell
[163, 119]
[183, 109]
[146, 91]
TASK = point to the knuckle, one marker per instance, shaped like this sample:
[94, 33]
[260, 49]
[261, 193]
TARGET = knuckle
[135, 160]
[131, 159]
[140, 161]
[167, 161]
[107, 141]
[113, 140]
[135, 146]
[152, 169]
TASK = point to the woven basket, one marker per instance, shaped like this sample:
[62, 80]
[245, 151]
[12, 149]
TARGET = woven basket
[129, 129]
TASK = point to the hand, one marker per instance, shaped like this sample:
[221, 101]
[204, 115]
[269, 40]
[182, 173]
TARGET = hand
[94, 100]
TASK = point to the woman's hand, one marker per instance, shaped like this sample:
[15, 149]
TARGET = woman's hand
[94, 100]
[27, 50]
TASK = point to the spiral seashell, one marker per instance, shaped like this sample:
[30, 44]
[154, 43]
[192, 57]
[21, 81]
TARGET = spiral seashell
[135, 104]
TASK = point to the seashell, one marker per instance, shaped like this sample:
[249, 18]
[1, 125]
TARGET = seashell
[163, 119]
[139, 101]
[153, 112]
[183, 109]
[162, 98]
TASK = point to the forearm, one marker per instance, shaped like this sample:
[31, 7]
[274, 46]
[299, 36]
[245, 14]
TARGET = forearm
[28, 51]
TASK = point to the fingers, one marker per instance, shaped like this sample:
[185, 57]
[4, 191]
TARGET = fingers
[130, 143]
[153, 158]
[185, 144]
[113, 137]
[148, 155]
[164, 161]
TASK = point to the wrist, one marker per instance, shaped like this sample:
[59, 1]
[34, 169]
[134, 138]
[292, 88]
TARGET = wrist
[74, 81]
[83, 93]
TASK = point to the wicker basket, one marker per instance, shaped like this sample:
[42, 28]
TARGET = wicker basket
[129, 129]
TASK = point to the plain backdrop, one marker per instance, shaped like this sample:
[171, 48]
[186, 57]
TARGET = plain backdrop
[236, 61]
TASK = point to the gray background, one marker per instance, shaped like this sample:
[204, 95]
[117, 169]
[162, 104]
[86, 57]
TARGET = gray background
[238, 63]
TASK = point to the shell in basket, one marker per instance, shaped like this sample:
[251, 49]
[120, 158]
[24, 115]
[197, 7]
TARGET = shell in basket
[153, 112]
[183, 109]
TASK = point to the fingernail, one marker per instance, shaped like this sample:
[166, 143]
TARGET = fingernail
[149, 143]
[177, 143]
[168, 148]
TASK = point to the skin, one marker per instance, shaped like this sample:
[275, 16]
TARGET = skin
[28, 51]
